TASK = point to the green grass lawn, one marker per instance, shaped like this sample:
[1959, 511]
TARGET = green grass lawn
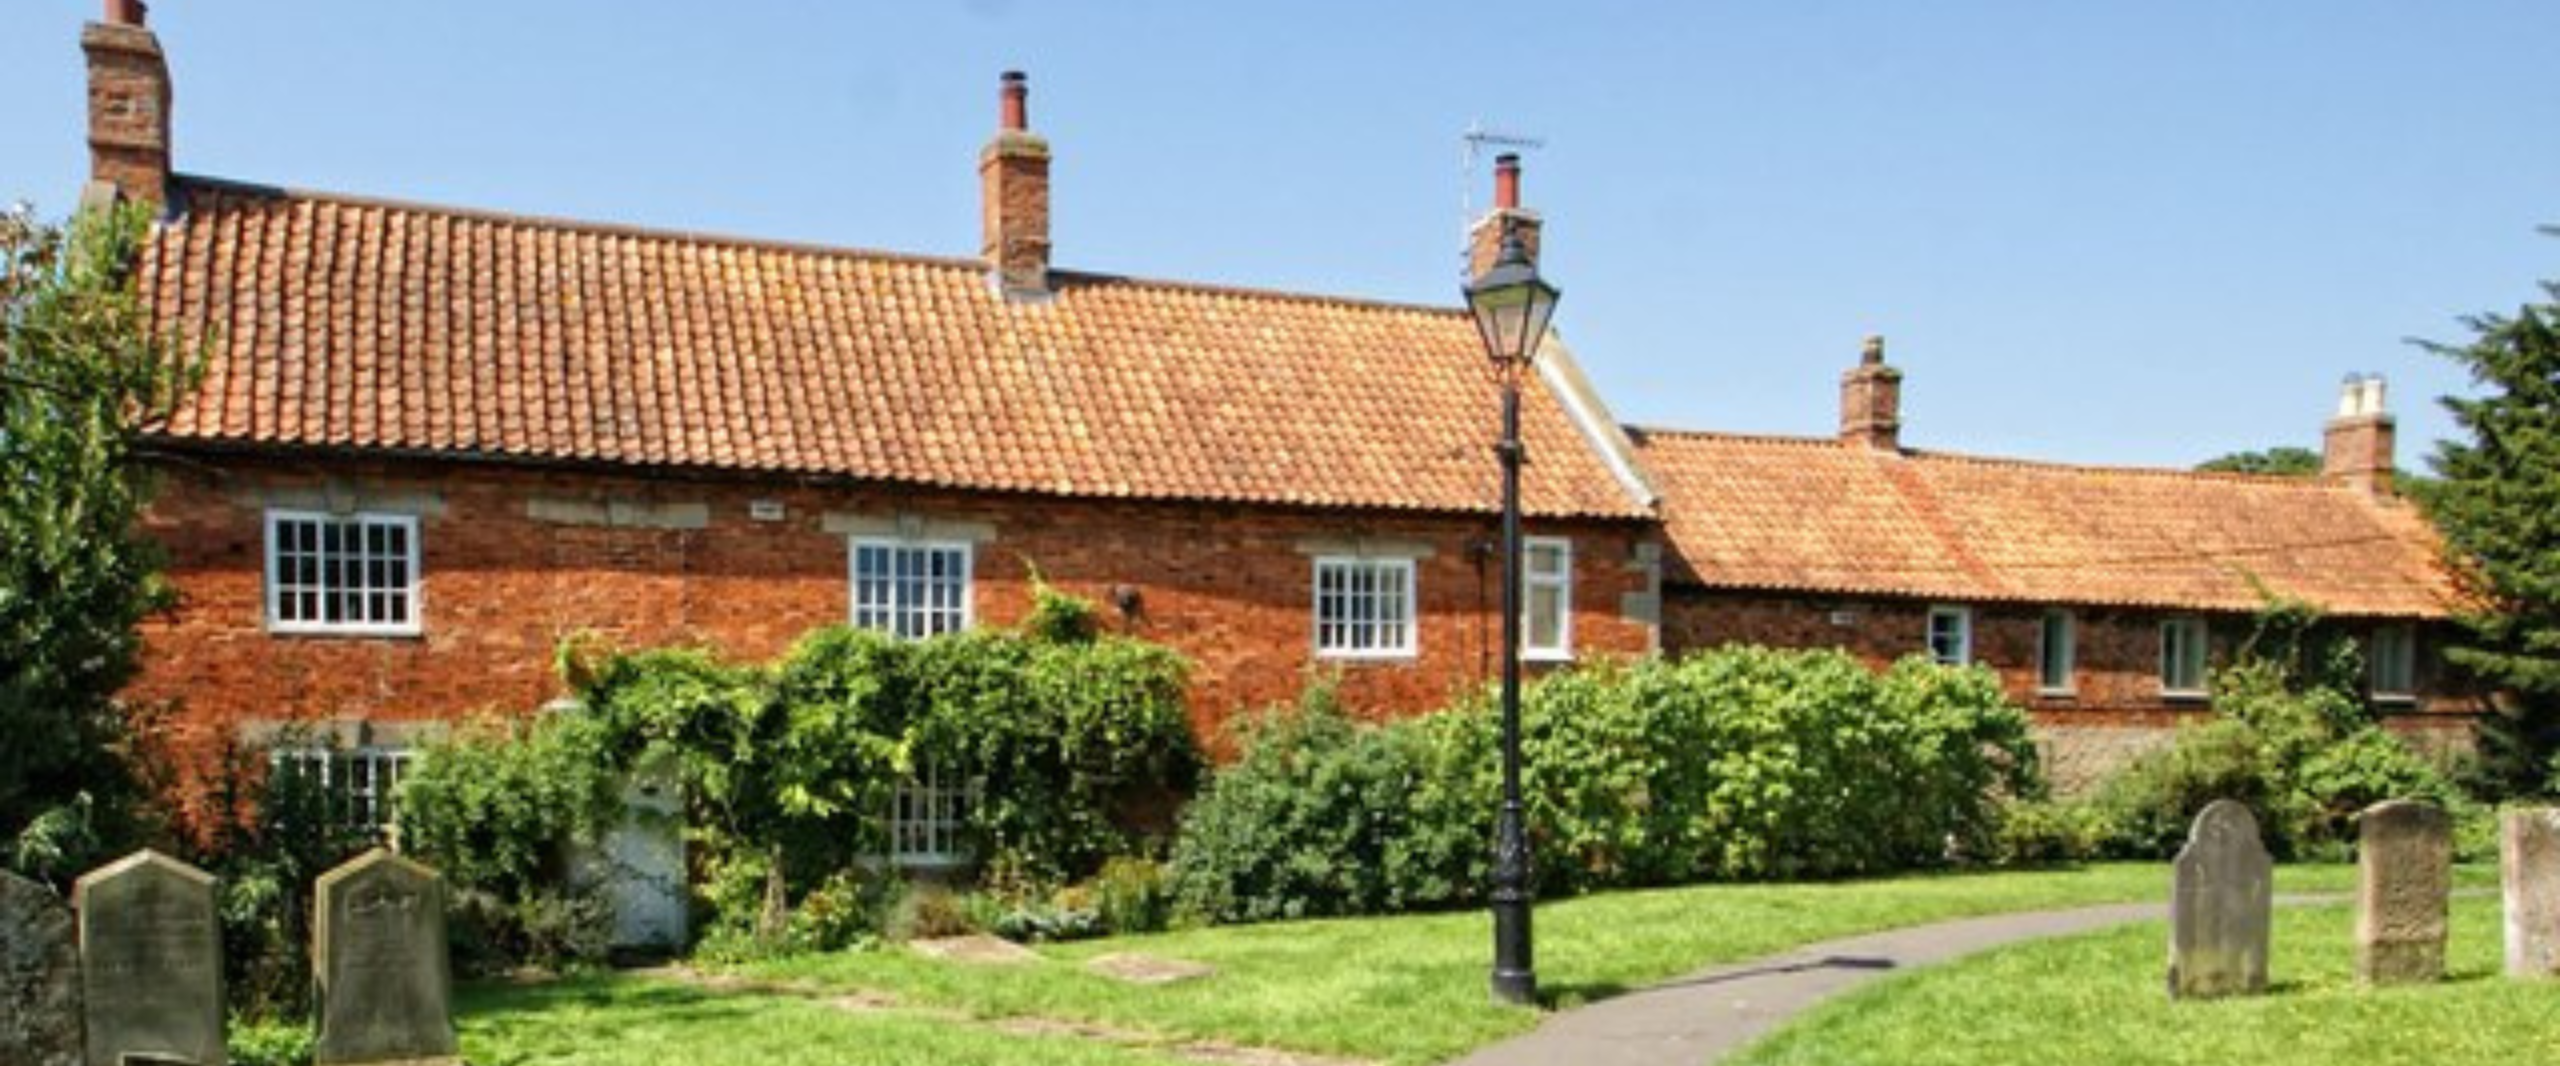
[611, 1020]
[1407, 989]
[2100, 1000]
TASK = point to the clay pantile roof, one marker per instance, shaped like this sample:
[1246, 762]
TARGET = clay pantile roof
[1818, 516]
[362, 325]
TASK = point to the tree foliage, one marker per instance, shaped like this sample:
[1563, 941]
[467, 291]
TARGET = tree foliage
[2280, 461]
[2498, 505]
[81, 376]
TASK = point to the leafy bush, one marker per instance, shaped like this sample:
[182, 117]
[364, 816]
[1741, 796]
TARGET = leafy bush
[269, 1042]
[1132, 895]
[2291, 737]
[1734, 763]
[2044, 832]
[788, 767]
[270, 832]
[495, 809]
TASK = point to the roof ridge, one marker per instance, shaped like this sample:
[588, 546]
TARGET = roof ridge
[237, 187]
[2276, 481]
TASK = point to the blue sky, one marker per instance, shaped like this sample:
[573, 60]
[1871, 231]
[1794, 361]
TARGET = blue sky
[2127, 233]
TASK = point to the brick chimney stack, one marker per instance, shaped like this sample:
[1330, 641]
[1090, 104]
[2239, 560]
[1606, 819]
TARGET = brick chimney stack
[2357, 448]
[1013, 173]
[1484, 240]
[128, 105]
[1871, 401]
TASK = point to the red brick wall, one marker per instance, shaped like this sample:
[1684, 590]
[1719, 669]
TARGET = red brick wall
[1229, 586]
[2115, 709]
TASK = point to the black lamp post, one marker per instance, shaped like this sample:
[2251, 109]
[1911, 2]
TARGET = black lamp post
[1512, 306]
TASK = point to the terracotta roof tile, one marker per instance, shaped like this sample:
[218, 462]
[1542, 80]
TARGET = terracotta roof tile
[342, 322]
[1815, 515]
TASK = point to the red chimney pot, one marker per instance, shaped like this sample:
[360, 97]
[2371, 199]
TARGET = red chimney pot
[128, 12]
[1016, 94]
[1506, 182]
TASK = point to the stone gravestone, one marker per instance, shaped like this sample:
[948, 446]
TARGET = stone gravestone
[385, 980]
[150, 962]
[39, 977]
[2404, 863]
[2221, 906]
[2529, 864]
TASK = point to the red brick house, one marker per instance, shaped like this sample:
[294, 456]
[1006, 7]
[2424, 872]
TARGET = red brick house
[432, 442]
[2100, 594]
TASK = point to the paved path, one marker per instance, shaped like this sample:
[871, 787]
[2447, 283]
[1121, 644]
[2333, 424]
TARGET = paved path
[1704, 1016]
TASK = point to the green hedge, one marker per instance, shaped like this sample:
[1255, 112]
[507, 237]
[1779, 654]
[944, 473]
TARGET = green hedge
[1738, 763]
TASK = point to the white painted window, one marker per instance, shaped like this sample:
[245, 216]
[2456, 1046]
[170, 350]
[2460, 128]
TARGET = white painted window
[911, 589]
[1364, 607]
[929, 820]
[354, 574]
[2394, 662]
[2057, 652]
[1951, 635]
[1546, 598]
[355, 787]
[2182, 655]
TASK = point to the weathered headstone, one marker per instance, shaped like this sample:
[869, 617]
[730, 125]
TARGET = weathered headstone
[2529, 864]
[385, 979]
[39, 977]
[2221, 906]
[2404, 862]
[150, 961]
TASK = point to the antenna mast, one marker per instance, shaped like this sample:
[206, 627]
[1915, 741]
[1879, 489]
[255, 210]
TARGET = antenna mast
[1475, 141]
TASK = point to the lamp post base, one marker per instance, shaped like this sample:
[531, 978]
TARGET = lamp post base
[1515, 988]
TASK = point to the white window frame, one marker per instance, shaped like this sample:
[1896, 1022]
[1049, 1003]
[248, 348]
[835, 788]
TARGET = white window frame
[2402, 654]
[2200, 638]
[928, 821]
[360, 783]
[413, 590]
[967, 613]
[1402, 570]
[1562, 582]
[1963, 617]
[2070, 652]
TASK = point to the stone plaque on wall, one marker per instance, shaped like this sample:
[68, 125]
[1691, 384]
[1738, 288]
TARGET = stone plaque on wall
[39, 977]
[2221, 906]
[150, 961]
[385, 981]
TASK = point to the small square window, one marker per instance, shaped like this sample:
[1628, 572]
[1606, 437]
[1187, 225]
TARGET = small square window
[2056, 653]
[911, 590]
[1364, 608]
[1546, 598]
[2182, 657]
[354, 788]
[929, 820]
[334, 574]
[2393, 652]
[1951, 635]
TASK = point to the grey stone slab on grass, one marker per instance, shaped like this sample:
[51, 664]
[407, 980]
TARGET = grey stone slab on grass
[2404, 869]
[150, 962]
[2221, 906]
[975, 948]
[385, 980]
[1139, 969]
[39, 976]
[2529, 865]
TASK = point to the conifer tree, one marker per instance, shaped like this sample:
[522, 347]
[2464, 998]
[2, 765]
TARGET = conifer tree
[2498, 504]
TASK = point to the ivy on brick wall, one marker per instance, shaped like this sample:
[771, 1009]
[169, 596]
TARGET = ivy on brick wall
[1067, 738]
